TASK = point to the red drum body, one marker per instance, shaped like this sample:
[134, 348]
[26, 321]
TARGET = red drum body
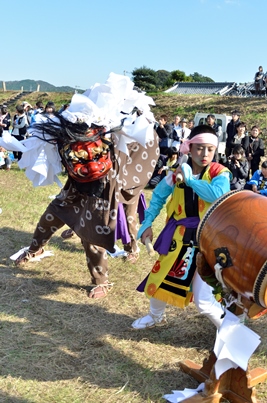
[233, 233]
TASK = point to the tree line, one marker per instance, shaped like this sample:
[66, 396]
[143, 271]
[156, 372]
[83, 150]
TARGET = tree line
[151, 80]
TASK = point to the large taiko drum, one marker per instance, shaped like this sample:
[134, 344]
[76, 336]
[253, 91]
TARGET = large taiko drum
[233, 233]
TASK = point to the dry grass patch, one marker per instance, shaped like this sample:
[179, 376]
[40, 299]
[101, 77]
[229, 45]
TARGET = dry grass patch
[59, 346]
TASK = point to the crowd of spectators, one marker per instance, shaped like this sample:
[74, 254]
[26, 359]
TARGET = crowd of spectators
[25, 116]
[244, 150]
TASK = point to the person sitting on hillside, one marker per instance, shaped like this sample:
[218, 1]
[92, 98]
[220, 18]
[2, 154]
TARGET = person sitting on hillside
[238, 165]
[5, 120]
[258, 182]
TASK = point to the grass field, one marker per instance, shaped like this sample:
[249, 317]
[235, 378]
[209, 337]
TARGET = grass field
[59, 346]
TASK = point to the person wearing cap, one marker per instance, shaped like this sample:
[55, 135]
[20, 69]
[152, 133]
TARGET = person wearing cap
[174, 278]
[231, 131]
[28, 110]
[183, 132]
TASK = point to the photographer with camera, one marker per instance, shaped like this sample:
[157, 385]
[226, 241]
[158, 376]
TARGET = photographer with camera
[239, 166]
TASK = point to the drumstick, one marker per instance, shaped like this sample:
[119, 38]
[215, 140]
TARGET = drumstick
[179, 176]
[149, 247]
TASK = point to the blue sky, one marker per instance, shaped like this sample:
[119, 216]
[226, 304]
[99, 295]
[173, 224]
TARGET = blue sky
[80, 42]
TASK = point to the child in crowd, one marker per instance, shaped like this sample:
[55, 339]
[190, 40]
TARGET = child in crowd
[173, 277]
[238, 165]
[5, 160]
[258, 182]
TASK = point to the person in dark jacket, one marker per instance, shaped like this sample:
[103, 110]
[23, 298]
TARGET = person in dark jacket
[20, 124]
[165, 132]
[238, 165]
[258, 81]
[256, 149]
[5, 120]
[231, 131]
[210, 119]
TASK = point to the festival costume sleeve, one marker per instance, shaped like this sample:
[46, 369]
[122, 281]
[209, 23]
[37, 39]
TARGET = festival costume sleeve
[207, 191]
[263, 192]
[159, 197]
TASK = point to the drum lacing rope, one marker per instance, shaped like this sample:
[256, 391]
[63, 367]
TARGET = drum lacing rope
[228, 298]
[218, 273]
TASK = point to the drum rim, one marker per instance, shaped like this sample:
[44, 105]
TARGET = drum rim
[260, 286]
[211, 210]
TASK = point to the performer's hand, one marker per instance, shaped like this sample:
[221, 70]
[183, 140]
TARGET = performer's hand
[179, 175]
[148, 233]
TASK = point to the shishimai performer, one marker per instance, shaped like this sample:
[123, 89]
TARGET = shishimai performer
[173, 278]
[107, 143]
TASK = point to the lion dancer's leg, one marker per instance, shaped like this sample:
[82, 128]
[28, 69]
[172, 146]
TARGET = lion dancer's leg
[97, 263]
[48, 224]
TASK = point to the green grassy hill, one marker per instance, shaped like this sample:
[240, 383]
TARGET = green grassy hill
[253, 110]
[59, 98]
[31, 85]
